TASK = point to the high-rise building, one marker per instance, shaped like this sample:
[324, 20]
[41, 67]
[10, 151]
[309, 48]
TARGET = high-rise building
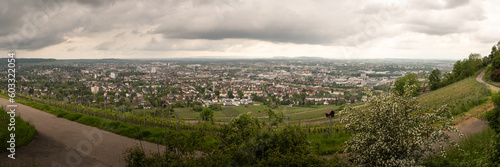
[153, 69]
[112, 75]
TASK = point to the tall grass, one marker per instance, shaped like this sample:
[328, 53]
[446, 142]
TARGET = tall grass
[25, 132]
[325, 144]
[472, 151]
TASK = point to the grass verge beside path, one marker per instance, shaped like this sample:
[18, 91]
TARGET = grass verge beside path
[24, 131]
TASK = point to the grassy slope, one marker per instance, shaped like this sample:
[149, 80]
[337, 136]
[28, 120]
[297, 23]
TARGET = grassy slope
[460, 96]
[473, 149]
[466, 87]
[25, 132]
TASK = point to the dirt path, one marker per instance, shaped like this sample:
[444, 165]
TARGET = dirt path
[480, 79]
[61, 142]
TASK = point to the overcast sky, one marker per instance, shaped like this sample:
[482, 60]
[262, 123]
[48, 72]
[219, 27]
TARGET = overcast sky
[348, 29]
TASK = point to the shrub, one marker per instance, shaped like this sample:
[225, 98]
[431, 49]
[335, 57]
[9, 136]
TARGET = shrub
[394, 132]
[73, 116]
[207, 114]
[496, 99]
[495, 75]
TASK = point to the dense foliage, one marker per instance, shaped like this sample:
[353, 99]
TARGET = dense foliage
[246, 141]
[475, 150]
[463, 69]
[493, 118]
[435, 79]
[494, 56]
[207, 114]
[395, 131]
[495, 75]
[410, 79]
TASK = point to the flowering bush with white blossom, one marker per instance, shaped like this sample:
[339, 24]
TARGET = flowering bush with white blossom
[393, 130]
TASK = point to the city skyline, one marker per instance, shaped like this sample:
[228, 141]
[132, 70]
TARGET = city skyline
[75, 29]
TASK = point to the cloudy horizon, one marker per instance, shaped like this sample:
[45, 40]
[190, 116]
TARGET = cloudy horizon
[354, 29]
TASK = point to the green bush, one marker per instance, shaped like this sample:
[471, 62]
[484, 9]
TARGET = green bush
[246, 142]
[495, 75]
[493, 117]
[496, 99]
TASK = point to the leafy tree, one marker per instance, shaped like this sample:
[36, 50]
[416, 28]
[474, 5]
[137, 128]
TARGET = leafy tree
[465, 68]
[471, 65]
[206, 114]
[179, 104]
[448, 78]
[252, 143]
[240, 93]
[275, 117]
[245, 141]
[494, 50]
[395, 131]
[258, 98]
[435, 79]
[216, 107]
[230, 94]
[402, 82]
[495, 63]
[217, 93]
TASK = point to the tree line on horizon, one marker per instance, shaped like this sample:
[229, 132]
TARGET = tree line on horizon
[468, 67]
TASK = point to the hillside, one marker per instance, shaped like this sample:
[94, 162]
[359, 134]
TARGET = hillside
[466, 91]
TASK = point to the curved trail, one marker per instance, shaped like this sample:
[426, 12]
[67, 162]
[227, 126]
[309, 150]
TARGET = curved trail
[61, 142]
[480, 79]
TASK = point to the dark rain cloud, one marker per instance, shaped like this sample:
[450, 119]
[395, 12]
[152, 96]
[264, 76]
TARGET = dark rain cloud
[31, 25]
